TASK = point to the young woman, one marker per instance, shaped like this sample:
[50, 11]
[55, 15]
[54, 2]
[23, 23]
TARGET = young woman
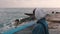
[41, 26]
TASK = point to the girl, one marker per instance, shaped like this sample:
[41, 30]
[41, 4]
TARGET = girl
[41, 26]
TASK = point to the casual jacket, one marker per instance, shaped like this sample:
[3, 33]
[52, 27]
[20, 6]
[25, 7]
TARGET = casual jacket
[41, 27]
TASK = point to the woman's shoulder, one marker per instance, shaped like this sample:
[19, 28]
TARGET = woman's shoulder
[39, 26]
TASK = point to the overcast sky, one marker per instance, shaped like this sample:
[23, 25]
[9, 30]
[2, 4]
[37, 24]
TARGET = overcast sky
[29, 3]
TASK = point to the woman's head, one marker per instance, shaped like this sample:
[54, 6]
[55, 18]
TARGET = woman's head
[40, 13]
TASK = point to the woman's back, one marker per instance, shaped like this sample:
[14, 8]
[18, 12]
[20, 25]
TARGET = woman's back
[41, 27]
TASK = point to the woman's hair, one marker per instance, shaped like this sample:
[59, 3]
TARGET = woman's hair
[34, 11]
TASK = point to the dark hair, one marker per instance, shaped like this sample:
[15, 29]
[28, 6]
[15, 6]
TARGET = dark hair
[34, 11]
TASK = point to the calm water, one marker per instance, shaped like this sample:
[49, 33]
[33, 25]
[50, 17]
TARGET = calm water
[8, 14]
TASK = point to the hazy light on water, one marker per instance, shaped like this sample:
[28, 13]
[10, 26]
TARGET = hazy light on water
[8, 14]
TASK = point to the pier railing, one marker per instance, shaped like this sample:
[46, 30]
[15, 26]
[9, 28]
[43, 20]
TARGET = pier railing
[20, 28]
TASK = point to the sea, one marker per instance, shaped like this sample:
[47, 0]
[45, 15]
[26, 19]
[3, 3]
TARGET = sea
[9, 14]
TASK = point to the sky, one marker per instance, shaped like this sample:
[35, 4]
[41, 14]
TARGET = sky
[29, 3]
